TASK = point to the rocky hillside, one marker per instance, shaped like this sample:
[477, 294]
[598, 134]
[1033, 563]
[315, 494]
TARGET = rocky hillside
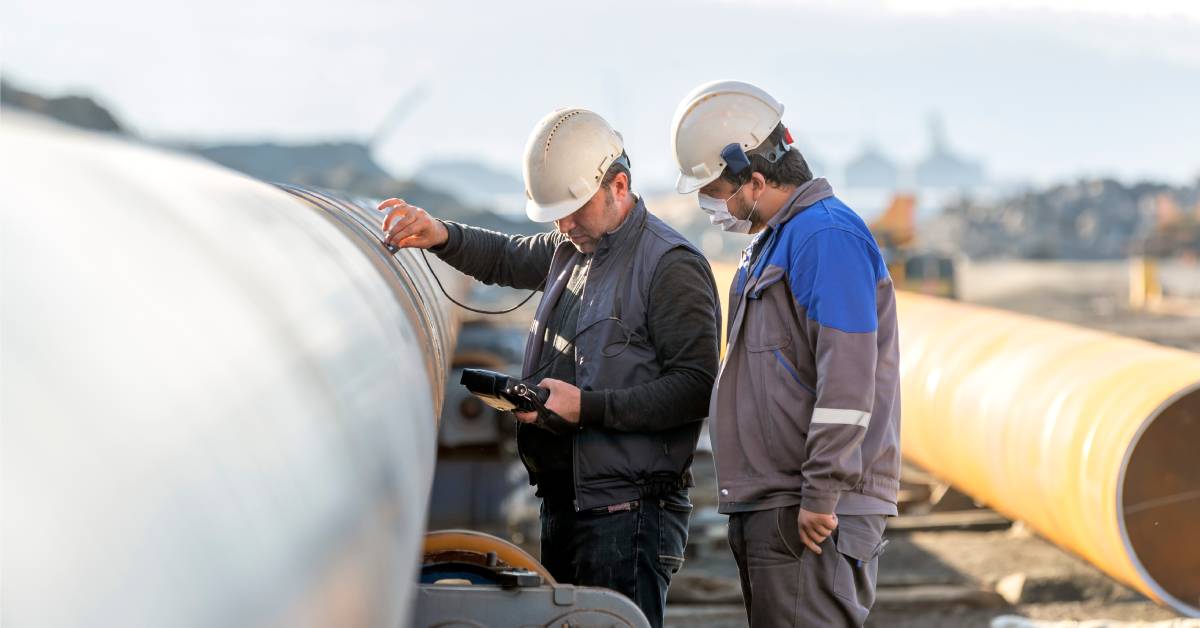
[1088, 219]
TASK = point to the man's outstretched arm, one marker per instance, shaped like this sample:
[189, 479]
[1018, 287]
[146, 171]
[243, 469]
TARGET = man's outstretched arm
[491, 257]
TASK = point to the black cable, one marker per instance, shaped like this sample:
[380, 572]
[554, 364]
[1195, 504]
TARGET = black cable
[630, 334]
[629, 337]
[438, 281]
[425, 256]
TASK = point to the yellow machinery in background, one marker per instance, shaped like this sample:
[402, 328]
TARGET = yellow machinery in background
[1162, 273]
[1145, 287]
[912, 268]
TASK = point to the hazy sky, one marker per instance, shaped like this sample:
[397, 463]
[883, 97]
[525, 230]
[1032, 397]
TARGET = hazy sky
[1039, 89]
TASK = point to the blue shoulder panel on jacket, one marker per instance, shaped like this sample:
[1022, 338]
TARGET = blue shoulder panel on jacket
[833, 266]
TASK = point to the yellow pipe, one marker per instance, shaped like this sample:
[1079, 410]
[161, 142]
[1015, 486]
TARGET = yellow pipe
[1090, 438]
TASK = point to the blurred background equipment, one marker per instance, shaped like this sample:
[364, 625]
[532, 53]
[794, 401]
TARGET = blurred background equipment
[480, 483]
[911, 268]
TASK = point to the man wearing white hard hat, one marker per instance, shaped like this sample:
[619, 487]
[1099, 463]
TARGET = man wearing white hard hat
[625, 338]
[805, 414]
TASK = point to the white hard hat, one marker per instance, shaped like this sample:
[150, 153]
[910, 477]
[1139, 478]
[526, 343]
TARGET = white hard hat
[709, 119]
[566, 157]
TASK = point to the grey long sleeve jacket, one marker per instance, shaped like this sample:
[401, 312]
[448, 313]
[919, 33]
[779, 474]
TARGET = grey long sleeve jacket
[807, 403]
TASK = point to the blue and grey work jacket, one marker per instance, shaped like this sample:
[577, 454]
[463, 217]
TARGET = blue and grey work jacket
[806, 408]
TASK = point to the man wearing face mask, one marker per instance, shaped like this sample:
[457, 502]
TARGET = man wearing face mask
[806, 409]
[625, 338]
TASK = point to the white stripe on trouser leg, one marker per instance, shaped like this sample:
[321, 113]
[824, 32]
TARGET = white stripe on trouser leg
[843, 417]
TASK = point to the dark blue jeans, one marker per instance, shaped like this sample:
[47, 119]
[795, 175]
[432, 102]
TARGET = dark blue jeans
[631, 548]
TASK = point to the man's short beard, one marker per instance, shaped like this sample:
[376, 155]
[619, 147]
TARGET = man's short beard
[747, 213]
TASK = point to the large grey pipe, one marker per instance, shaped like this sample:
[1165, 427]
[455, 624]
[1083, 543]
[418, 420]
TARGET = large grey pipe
[219, 397]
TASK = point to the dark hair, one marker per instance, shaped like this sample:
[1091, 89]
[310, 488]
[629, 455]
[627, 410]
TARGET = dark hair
[790, 169]
[617, 167]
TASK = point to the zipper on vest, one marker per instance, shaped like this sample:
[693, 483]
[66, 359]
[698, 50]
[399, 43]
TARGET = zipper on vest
[575, 469]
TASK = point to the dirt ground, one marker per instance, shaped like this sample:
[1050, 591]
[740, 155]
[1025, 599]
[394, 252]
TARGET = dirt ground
[949, 578]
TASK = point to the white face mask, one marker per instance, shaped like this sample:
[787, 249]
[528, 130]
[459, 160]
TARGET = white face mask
[718, 213]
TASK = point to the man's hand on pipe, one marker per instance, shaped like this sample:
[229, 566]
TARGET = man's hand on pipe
[410, 226]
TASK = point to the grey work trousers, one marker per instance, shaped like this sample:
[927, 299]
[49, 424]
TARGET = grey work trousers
[786, 584]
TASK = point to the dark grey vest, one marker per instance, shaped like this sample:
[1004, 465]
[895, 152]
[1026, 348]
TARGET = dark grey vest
[613, 467]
